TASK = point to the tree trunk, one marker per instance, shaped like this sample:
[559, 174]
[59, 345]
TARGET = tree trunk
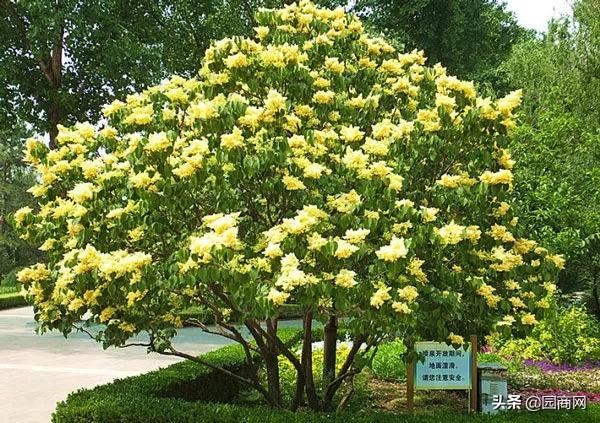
[54, 118]
[329, 351]
[272, 364]
[309, 382]
[53, 74]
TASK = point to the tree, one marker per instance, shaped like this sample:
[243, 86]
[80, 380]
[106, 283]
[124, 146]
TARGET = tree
[64, 59]
[471, 37]
[558, 178]
[310, 164]
[15, 178]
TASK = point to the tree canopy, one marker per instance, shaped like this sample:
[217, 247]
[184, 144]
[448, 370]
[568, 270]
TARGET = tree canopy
[558, 178]
[310, 163]
[470, 37]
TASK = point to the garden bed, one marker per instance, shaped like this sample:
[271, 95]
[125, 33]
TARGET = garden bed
[189, 392]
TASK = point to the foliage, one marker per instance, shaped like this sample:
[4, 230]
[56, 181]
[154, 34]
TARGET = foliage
[389, 363]
[569, 336]
[311, 164]
[558, 178]
[63, 60]
[471, 37]
[15, 178]
[156, 397]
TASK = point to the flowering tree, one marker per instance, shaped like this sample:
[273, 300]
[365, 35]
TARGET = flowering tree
[313, 165]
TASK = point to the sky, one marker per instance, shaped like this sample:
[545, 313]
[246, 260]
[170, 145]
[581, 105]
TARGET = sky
[535, 14]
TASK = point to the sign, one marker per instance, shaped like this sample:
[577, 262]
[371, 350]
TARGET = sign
[444, 367]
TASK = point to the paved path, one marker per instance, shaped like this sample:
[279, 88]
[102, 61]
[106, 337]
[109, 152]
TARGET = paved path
[37, 371]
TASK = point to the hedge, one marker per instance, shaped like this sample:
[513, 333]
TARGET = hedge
[12, 300]
[188, 392]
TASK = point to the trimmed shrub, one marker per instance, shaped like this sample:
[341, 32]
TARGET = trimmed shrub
[12, 300]
[179, 394]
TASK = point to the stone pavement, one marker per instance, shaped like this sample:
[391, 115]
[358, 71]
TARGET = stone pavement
[37, 371]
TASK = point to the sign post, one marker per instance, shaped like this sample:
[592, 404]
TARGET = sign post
[474, 386]
[444, 368]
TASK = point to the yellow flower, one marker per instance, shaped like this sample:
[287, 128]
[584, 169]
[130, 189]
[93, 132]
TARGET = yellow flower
[202, 110]
[127, 327]
[472, 233]
[334, 65]
[415, 269]
[500, 233]
[134, 296]
[157, 141]
[356, 160]
[395, 182]
[292, 183]
[392, 252]
[380, 296]
[451, 233]
[314, 170]
[106, 314]
[273, 250]
[21, 214]
[238, 60]
[351, 133]
[408, 293]
[503, 176]
[344, 249]
[274, 101]
[277, 297]
[456, 339]
[558, 260]
[356, 236]
[345, 278]
[345, 203]
[261, 32]
[429, 214]
[401, 308]
[232, 140]
[76, 304]
[323, 97]
[529, 319]
[316, 241]
[82, 192]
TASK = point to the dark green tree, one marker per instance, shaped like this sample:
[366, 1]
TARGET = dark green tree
[64, 59]
[15, 178]
[557, 145]
[470, 37]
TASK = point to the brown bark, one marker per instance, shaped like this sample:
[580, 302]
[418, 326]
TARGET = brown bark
[309, 382]
[272, 363]
[329, 351]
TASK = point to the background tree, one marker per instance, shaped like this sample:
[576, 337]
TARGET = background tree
[310, 163]
[64, 59]
[558, 177]
[15, 179]
[470, 37]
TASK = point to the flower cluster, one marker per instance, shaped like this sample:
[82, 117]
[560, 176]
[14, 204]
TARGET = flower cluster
[310, 163]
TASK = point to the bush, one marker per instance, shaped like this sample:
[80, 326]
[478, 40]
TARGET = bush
[9, 279]
[12, 300]
[569, 336]
[171, 394]
[388, 362]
